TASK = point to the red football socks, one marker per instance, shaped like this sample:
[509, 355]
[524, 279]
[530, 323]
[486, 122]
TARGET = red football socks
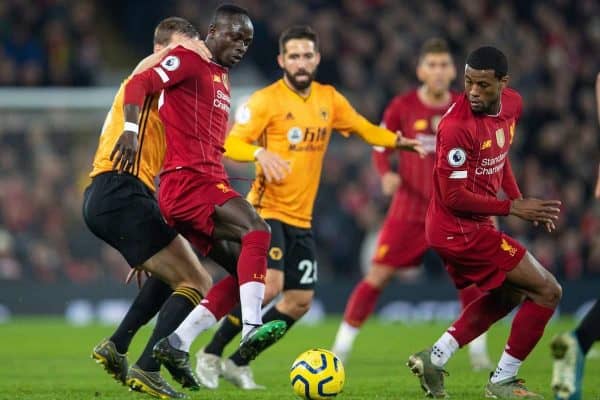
[469, 295]
[477, 317]
[252, 263]
[361, 304]
[222, 297]
[527, 329]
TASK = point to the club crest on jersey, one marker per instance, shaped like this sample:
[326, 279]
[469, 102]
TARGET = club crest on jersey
[420, 125]
[294, 135]
[171, 63]
[324, 113]
[457, 157]
[225, 79]
[500, 138]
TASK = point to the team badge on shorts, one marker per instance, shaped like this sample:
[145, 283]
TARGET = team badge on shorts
[223, 187]
[275, 253]
[510, 249]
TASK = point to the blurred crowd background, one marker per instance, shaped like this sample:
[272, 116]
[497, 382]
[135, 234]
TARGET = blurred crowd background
[368, 51]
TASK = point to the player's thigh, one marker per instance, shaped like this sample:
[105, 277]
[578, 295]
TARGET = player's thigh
[235, 218]
[178, 265]
[300, 261]
[296, 302]
[534, 281]
[123, 212]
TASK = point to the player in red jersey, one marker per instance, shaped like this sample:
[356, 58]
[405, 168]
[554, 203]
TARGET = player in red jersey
[195, 196]
[402, 245]
[471, 167]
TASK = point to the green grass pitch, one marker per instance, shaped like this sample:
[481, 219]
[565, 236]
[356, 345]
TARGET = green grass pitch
[45, 359]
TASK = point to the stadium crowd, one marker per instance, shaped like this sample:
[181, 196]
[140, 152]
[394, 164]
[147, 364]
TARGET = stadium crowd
[368, 50]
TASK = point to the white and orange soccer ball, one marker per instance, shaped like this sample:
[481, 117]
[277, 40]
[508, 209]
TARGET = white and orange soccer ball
[317, 374]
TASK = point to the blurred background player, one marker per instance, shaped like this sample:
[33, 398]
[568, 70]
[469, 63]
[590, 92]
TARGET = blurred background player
[122, 210]
[286, 128]
[471, 167]
[570, 349]
[402, 243]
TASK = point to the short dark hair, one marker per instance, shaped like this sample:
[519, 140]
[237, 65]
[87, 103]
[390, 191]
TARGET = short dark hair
[489, 57]
[433, 46]
[168, 26]
[297, 32]
[228, 10]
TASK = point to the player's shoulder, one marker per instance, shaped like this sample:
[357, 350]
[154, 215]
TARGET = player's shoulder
[512, 102]
[179, 53]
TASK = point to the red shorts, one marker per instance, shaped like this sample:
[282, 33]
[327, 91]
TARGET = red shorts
[401, 243]
[484, 261]
[187, 201]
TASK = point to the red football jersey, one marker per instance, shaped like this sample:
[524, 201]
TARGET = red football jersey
[194, 107]
[470, 168]
[416, 120]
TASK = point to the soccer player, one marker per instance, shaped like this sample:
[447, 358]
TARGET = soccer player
[121, 210]
[471, 166]
[195, 197]
[570, 349]
[402, 243]
[285, 128]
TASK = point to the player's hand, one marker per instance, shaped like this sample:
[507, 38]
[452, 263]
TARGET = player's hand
[415, 145]
[197, 46]
[139, 276]
[274, 167]
[537, 211]
[390, 182]
[124, 152]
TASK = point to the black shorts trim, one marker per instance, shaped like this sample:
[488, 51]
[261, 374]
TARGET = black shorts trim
[122, 211]
[293, 251]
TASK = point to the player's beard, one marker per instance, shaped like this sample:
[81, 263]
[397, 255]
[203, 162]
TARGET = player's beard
[299, 85]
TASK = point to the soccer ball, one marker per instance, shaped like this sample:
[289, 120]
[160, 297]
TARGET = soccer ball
[317, 374]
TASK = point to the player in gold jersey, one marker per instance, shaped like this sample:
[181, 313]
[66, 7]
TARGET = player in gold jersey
[122, 211]
[286, 128]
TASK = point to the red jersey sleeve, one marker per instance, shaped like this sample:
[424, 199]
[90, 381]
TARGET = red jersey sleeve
[455, 151]
[381, 155]
[178, 65]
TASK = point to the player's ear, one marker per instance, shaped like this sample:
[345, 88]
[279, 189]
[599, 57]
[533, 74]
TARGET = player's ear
[280, 60]
[318, 57]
